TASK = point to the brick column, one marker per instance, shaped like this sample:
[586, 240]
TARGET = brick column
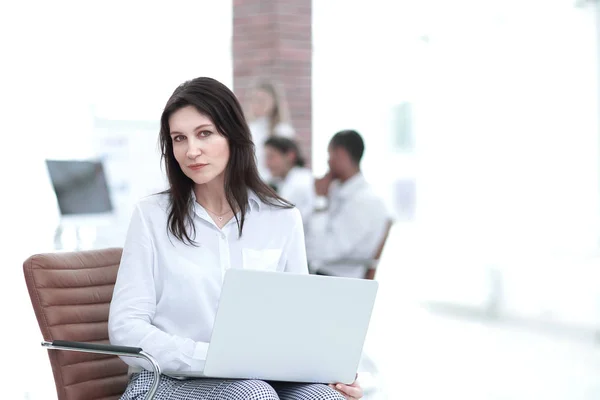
[272, 39]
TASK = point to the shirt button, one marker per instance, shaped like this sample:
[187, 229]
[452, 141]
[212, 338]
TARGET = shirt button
[222, 236]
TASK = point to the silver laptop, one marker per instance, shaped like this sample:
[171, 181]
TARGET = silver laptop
[289, 327]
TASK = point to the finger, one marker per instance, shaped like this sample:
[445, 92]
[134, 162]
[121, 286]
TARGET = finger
[349, 390]
[342, 393]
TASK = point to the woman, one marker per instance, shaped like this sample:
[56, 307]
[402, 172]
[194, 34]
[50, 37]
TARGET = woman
[293, 181]
[268, 116]
[217, 214]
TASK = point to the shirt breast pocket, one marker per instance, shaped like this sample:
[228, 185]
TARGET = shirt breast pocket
[263, 260]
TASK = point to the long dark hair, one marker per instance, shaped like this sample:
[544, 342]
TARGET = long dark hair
[217, 102]
[285, 146]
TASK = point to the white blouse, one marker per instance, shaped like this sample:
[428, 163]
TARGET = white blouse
[166, 295]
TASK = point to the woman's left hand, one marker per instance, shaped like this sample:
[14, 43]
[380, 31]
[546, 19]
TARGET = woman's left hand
[350, 392]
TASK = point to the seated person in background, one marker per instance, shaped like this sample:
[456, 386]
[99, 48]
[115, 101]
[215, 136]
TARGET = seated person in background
[355, 221]
[292, 180]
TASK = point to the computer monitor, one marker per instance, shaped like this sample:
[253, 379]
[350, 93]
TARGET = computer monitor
[80, 187]
[83, 199]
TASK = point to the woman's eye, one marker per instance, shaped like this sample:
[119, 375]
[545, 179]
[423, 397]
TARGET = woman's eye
[178, 138]
[205, 133]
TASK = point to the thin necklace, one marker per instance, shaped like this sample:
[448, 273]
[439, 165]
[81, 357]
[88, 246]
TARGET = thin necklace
[219, 216]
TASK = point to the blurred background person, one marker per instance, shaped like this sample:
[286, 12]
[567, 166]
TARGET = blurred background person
[268, 115]
[290, 178]
[355, 220]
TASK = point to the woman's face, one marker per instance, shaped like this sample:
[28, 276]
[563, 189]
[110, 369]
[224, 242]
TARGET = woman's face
[201, 151]
[262, 103]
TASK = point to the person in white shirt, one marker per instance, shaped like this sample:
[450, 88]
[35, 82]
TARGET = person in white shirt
[356, 219]
[217, 214]
[268, 115]
[292, 180]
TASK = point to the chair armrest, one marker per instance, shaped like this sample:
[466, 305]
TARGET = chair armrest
[112, 350]
[92, 347]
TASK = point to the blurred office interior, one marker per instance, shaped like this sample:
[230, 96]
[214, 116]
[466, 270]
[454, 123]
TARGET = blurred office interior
[481, 125]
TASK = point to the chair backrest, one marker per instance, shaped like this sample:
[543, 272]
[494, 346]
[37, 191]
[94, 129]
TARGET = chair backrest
[71, 294]
[371, 271]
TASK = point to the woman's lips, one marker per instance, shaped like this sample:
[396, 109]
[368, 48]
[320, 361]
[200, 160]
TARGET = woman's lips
[196, 167]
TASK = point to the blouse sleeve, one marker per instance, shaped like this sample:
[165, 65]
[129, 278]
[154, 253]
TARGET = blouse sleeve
[134, 304]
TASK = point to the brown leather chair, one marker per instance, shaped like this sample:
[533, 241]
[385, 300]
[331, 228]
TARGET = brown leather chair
[71, 294]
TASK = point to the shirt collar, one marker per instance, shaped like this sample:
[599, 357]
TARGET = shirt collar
[254, 200]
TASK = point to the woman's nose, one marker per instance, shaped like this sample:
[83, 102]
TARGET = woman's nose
[194, 149]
